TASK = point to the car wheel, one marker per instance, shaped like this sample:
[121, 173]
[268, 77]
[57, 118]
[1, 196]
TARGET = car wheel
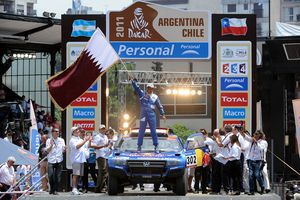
[112, 185]
[182, 184]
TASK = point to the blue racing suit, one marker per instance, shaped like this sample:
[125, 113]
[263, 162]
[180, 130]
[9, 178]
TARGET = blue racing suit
[148, 103]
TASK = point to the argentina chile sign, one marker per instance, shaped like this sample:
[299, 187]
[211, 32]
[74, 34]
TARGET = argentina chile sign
[151, 31]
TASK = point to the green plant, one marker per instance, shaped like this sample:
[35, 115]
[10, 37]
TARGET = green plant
[182, 131]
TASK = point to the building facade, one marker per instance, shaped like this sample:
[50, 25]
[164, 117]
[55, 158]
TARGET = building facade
[20, 7]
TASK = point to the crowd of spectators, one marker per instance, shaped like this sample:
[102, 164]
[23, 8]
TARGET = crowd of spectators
[10, 121]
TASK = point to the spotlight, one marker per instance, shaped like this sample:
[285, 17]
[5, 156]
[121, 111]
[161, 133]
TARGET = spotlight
[26, 55]
[125, 125]
[181, 92]
[33, 56]
[126, 116]
[18, 55]
[193, 92]
[187, 92]
[22, 55]
[169, 91]
[29, 56]
[199, 92]
[14, 55]
[174, 91]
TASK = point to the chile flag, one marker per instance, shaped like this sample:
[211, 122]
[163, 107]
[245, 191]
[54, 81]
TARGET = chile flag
[234, 26]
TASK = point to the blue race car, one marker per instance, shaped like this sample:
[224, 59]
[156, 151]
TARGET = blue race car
[126, 167]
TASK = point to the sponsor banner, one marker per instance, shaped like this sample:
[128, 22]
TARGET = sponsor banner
[234, 83]
[234, 123]
[83, 113]
[88, 99]
[234, 53]
[147, 25]
[234, 113]
[234, 68]
[94, 87]
[234, 99]
[75, 52]
[160, 50]
[86, 125]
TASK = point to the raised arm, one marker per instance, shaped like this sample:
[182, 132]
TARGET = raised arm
[135, 86]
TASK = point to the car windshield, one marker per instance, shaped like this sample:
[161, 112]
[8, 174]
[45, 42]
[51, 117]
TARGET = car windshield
[165, 145]
[195, 142]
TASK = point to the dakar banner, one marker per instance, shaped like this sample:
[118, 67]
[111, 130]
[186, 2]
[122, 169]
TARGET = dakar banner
[296, 105]
[151, 31]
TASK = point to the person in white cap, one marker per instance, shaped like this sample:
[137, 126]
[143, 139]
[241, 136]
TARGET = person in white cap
[55, 147]
[149, 102]
[77, 157]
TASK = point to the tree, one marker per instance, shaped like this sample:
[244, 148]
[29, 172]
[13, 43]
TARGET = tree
[182, 131]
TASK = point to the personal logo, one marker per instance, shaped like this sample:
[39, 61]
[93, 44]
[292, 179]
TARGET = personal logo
[234, 99]
[146, 163]
[234, 84]
[227, 53]
[138, 26]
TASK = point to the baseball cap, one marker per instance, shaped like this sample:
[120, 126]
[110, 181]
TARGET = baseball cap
[73, 129]
[22, 173]
[150, 85]
[101, 126]
[81, 130]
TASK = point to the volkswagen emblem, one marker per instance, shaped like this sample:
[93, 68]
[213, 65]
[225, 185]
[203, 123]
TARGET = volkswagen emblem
[146, 163]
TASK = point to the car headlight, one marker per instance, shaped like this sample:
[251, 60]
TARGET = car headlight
[119, 162]
[173, 162]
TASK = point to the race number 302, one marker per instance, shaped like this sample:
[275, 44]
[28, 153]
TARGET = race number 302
[191, 160]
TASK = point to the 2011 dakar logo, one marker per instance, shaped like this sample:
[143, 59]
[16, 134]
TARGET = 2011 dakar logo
[138, 25]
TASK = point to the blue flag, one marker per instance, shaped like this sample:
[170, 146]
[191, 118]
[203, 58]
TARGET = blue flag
[83, 28]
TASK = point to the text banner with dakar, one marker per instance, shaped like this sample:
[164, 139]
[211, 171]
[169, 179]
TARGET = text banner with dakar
[150, 31]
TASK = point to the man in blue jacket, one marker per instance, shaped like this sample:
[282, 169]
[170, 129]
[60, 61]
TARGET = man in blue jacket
[148, 102]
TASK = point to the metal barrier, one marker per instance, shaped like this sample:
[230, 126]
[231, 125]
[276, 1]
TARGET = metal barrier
[279, 189]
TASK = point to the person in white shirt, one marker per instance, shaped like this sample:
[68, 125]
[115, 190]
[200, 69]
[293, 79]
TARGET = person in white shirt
[100, 143]
[264, 170]
[48, 128]
[255, 157]
[77, 157]
[20, 168]
[7, 177]
[55, 147]
[8, 137]
[247, 145]
[225, 166]
[234, 162]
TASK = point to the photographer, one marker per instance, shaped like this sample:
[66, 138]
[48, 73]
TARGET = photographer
[293, 192]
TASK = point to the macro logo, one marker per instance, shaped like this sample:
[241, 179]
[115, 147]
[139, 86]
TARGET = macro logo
[138, 26]
[83, 113]
[234, 84]
[234, 99]
[88, 99]
[234, 113]
[86, 125]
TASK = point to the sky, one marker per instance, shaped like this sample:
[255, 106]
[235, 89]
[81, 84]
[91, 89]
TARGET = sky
[61, 6]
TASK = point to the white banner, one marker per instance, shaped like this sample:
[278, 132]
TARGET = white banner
[296, 106]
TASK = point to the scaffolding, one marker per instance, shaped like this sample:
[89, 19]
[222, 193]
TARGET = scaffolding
[159, 78]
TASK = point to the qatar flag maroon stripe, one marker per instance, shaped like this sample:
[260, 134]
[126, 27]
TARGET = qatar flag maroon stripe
[96, 58]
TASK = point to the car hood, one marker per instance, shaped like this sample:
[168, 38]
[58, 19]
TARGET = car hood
[147, 155]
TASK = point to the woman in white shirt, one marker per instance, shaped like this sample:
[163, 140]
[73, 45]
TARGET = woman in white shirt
[234, 160]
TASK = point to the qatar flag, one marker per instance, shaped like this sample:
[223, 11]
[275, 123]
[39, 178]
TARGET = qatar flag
[94, 60]
[234, 26]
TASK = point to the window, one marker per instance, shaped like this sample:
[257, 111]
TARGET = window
[258, 10]
[290, 13]
[292, 51]
[23, 79]
[245, 6]
[231, 7]
[20, 9]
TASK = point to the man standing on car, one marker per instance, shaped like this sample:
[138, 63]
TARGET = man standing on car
[148, 103]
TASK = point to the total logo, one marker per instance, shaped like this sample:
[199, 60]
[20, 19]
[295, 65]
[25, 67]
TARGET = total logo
[234, 99]
[88, 99]
[234, 123]
[86, 125]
